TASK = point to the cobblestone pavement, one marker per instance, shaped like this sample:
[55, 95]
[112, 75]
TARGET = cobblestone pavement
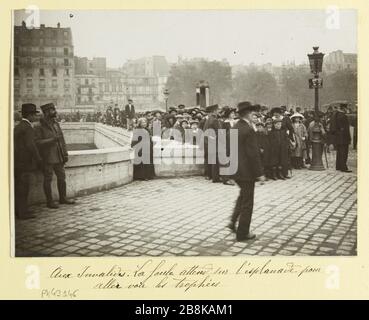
[314, 213]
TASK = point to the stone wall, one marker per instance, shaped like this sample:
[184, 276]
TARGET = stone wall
[111, 165]
[89, 171]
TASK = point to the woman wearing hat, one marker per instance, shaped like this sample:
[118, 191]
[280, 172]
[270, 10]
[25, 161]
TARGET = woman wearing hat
[301, 135]
[143, 171]
[279, 150]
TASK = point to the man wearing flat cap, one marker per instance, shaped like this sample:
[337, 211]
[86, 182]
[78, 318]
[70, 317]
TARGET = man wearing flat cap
[249, 170]
[53, 150]
[26, 159]
[212, 122]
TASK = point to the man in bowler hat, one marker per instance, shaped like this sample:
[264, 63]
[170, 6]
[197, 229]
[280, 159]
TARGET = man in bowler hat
[249, 170]
[26, 159]
[53, 150]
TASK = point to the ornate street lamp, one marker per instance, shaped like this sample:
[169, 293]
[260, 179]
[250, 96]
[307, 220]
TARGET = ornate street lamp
[316, 63]
[166, 96]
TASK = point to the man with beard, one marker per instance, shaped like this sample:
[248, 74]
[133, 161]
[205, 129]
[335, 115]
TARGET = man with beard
[53, 150]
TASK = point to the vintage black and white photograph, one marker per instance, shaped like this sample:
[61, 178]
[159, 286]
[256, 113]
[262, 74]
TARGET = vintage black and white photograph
[184, 133]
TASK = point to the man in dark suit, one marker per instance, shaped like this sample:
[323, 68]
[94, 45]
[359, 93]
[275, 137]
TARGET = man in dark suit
[53, 150]
[130, 113]
[26, 160]
[340, 129]
[249, 170]
[212, 122]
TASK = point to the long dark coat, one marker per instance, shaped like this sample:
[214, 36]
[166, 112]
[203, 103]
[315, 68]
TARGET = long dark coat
[249, 161]
[144, 171]
[279, 145]
[340, 128]
[26, 155]
[264, 147]
[51, 151]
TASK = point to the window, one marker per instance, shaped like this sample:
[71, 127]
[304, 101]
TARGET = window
[66, 83]
[42, 72]
[66, 51]
[79, 90]
[86, 81]
[16, 83]
[65, 34]
[54, 61]
[41, 41]
[42, 83]
[54, 73]
[90, 98]
[53, 51]
[42, 51]
[16, 50]
[106, 87]
[41, 61]
[16, 71]
[66, 72]
[29, 83]
[78, 99]
[16, 61]
[66, 62]
[54, 84]
[29, 61]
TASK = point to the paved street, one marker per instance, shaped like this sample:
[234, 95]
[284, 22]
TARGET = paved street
[314, 213]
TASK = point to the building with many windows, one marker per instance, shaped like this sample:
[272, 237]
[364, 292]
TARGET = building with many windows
[142, 80]
[43, 66]
[338, 60]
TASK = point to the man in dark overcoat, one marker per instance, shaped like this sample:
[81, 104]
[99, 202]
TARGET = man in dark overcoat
[250, 169]
[212, 122]
[26, 160]
[53, 150]
[340, 129]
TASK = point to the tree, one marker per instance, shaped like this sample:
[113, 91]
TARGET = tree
[184, 77]
[341, 85]
[294, 87]
[256, 86]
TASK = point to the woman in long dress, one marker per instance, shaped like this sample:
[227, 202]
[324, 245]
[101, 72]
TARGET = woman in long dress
[299, 153]
[143, 171]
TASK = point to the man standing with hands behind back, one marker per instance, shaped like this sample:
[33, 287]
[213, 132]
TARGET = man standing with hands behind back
[249, 170]
[53, 150]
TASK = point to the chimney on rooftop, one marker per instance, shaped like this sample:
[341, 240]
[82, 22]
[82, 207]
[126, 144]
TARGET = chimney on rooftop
[58, 25]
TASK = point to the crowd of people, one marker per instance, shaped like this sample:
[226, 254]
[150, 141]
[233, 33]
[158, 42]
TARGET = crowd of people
[284, 135]
[270, 143]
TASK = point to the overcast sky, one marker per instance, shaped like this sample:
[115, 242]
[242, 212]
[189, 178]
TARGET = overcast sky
[241, 37]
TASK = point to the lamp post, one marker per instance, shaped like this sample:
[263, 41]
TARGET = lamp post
[316, 63]
[166, 96]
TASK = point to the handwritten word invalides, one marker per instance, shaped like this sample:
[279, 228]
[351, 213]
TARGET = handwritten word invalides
[162, 274]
